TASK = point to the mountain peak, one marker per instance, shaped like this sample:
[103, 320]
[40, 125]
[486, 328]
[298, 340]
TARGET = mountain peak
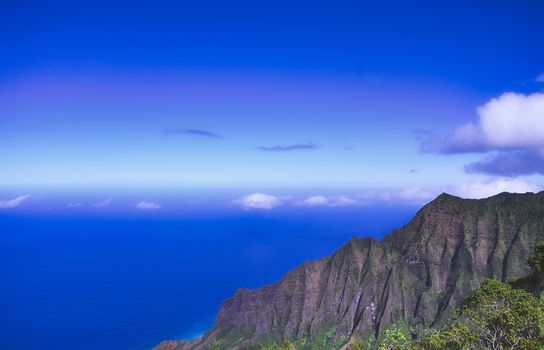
[418, 274]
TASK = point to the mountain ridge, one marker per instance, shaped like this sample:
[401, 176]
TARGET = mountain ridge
[417, 274]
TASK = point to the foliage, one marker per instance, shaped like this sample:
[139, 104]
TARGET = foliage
[394, 338]
[285, 346]
[370, 342]
[357, 346]
[457, 336]
[506, 318]
[498, 316]
[536, 261]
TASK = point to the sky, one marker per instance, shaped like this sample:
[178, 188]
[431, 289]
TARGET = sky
[389, 100]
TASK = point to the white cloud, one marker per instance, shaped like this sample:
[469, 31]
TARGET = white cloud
[259, 201]
[74, 205]
[484, 189]
[343, 201]
[332, 201]
[395, 196]
[104, 203]
[12, 203]
[407, 195]
[511, 126]
[473, 190]
[540, 78]
[147, 206]
[417, 194]
[511, 121]
[315, 201]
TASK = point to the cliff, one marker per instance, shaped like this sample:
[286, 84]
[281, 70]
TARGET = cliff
[418, 274]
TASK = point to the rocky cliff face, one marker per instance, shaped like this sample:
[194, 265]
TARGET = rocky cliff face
[418, 274]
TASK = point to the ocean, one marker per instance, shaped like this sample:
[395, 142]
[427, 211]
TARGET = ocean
[119, 281]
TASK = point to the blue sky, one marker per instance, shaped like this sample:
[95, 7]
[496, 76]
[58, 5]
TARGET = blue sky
[414, 96]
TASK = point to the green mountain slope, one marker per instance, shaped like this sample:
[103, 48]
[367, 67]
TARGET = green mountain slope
[418, 275]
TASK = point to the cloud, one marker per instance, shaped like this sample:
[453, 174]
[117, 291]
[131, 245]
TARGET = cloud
[287, 148]
[423, 195]
[12, 203]
[332, 201]
[512, 164]
[343, 201]
[74, 205]
[407, 195]
[315, 201]
[510, 122]
[540, 78]
[416, 196]
[511, 125]
[484, 189]
[259, 201]
[195, 132]
[104, 203]
[147, 206]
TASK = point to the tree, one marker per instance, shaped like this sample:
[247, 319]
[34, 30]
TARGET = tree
[457, 336]
[504, 317]
[534, 283]
[394, 339]
[536, 261]
[496, 316]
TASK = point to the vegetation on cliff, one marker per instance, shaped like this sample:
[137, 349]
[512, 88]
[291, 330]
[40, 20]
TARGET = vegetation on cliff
[404, 287]
[495, 316]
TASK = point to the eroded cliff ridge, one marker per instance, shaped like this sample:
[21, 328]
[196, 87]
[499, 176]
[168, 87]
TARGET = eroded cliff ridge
[418, 274]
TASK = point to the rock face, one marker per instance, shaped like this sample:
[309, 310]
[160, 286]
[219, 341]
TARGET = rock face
[418, 274]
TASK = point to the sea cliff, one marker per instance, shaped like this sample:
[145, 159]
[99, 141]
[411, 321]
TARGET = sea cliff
[418, 275]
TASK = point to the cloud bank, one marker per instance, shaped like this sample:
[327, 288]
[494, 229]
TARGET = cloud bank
[194, 132]
[510, 164]
[484, 189]
[392, 196]
[510, 122]
[511, 125]
[331, 201]
[143, 205]
[13, 203]
[471, 190]
[287, 148]
[259, 201]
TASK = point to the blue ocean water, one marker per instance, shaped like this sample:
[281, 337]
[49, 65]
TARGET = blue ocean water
[127, 282]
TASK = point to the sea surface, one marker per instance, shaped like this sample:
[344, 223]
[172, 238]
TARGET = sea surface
[129, 281]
